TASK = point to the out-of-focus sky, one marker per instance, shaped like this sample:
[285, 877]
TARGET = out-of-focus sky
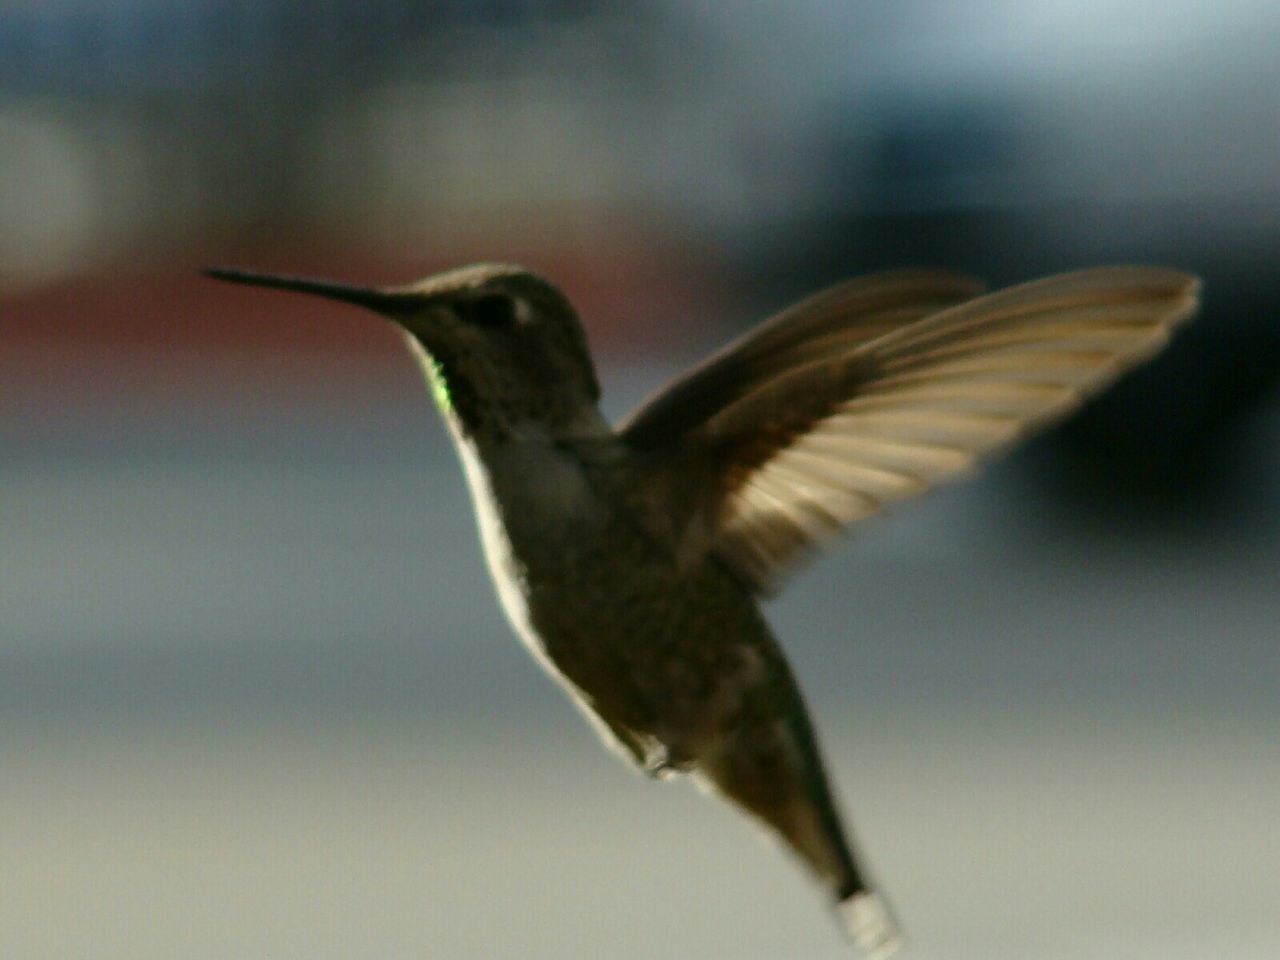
[256, 699]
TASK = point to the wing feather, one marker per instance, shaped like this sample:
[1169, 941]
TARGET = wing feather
[830, 323]
[804, 427]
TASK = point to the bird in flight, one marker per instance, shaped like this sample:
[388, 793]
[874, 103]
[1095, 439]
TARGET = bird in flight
[631, 559]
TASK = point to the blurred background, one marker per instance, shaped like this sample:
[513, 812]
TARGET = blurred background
[256, 699]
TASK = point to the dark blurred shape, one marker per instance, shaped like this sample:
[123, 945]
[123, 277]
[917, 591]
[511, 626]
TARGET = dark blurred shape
[1172, 439]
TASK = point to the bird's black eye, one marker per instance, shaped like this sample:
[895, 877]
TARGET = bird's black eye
[491, 310]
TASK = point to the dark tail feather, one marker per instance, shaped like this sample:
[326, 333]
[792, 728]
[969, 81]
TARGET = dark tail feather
[796, 805]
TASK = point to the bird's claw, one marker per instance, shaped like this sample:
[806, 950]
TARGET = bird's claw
[664, 763]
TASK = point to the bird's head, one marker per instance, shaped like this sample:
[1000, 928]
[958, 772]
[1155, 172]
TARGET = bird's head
[502, 347]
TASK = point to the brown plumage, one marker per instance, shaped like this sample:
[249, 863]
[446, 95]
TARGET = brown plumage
[629, 561]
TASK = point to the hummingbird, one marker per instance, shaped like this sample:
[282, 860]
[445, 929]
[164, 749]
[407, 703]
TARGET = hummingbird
[631, 559]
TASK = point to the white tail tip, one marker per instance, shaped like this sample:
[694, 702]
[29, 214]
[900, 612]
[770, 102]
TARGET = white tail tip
[870, 925]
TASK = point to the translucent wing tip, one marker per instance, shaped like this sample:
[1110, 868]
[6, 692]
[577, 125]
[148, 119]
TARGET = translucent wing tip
[869, 923]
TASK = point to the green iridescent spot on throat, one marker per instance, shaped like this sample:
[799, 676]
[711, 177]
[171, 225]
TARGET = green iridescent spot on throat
[439, 385]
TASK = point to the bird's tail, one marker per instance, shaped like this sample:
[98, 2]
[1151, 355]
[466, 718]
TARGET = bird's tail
[799, 810]
[772, 769]
[870, 924]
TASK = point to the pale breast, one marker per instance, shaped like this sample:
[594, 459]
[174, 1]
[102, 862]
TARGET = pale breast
[533, 505]
[603, 602]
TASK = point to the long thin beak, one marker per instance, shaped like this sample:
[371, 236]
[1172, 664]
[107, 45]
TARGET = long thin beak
[383, 300]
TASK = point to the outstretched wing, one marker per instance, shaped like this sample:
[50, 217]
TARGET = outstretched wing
[808, 424]
[828, 323]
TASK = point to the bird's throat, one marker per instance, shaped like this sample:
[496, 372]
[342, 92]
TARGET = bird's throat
[439, 385]
[433, 369]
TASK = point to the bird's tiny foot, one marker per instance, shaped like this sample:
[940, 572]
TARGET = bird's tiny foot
[664, 763]
[658, 768]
